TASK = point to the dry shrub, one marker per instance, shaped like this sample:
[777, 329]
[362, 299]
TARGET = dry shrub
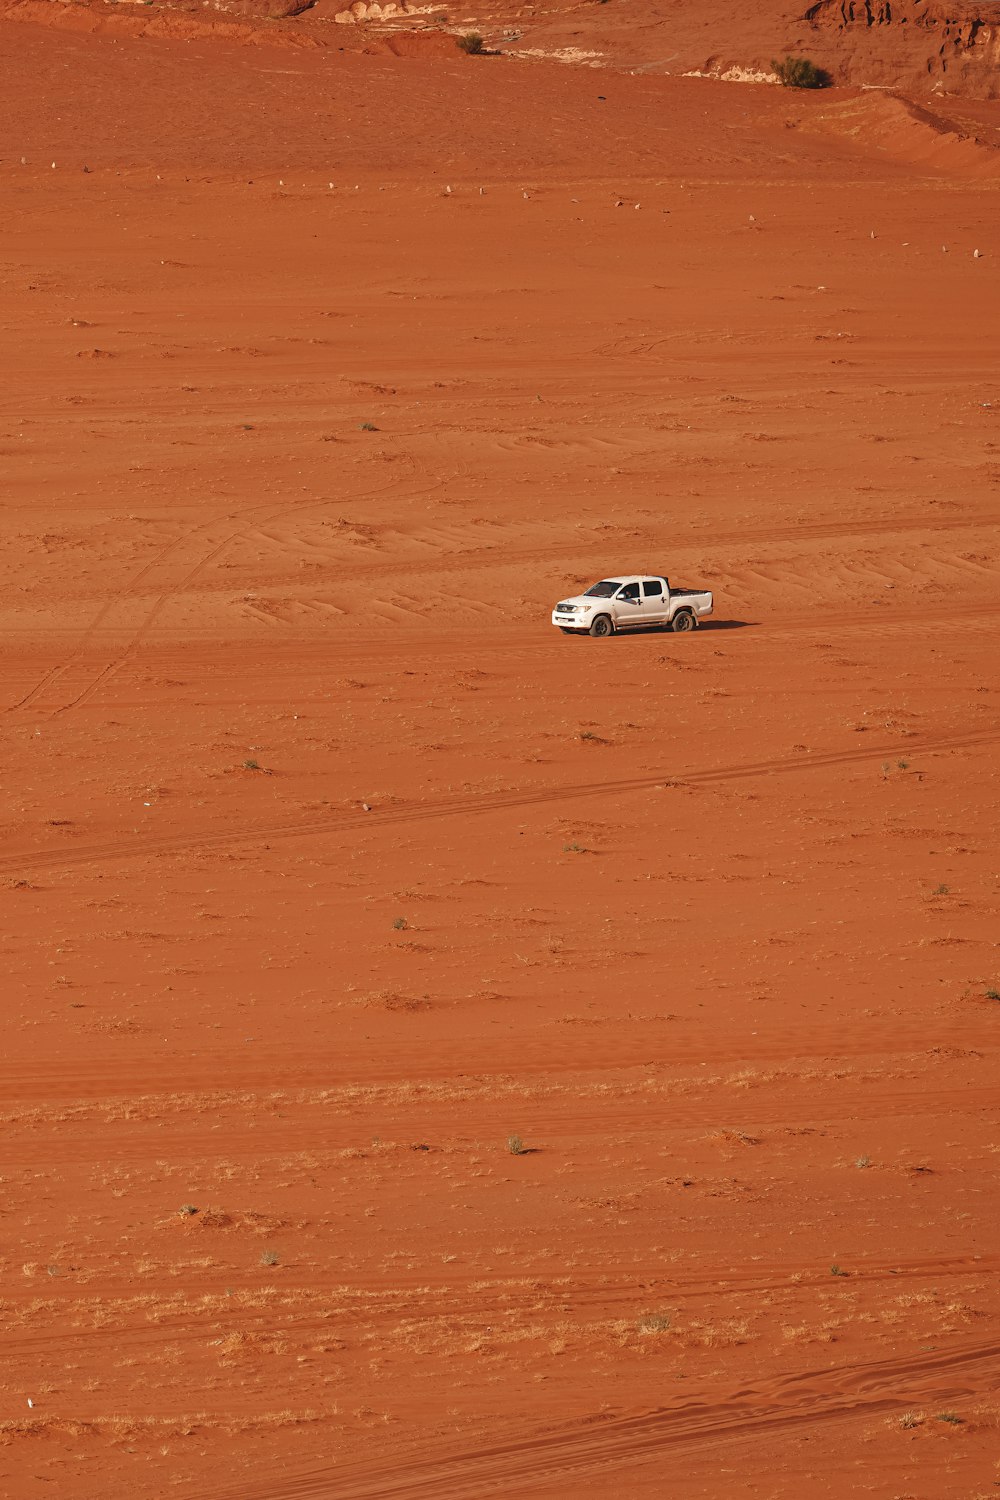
[389, 1000]
[908, 1419]
[729, 1137]
[803, 1334]
[725, 1335]
[242, 1342]
[800, 73]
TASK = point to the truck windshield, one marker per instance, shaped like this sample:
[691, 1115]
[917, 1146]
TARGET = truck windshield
[604, 589]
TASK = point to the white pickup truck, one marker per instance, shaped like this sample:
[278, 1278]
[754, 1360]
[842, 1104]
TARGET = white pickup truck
[630, 602]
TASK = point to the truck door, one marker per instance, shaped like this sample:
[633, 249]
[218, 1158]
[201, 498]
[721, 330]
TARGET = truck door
[655, 603]
[628, 606]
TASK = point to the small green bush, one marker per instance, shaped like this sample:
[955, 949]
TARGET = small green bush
[800, 73]
[472, 43]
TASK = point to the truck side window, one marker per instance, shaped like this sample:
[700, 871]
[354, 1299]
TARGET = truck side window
[653, 588]
[630, 591]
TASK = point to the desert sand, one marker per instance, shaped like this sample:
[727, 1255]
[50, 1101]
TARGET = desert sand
[331, 871]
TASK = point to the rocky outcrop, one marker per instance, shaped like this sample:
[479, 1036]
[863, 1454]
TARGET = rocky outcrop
[943, 47]
[951, 47]
[371, 10]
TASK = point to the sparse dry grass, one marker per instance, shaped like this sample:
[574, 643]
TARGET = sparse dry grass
[729, 1137]
[122, 1429]
[157, 1107]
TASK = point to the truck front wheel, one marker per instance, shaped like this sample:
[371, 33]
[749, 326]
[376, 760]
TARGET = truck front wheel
[602, 626]
[683, 620]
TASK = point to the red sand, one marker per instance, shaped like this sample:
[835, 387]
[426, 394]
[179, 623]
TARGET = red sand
[708, 922]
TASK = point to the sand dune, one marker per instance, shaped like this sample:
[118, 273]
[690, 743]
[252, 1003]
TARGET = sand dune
[444, 1058]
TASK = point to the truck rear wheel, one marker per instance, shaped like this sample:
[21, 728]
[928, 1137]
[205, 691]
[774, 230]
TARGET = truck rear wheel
[683, 620]
[602, 626]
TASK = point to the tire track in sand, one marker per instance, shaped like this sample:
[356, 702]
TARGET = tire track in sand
[608, 1286]
[474, 805]
[75, 680]
[307, 1305]
[516, 1467]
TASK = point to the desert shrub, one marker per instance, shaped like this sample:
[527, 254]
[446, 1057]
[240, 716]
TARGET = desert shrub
[472, 43]
[800, 73]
